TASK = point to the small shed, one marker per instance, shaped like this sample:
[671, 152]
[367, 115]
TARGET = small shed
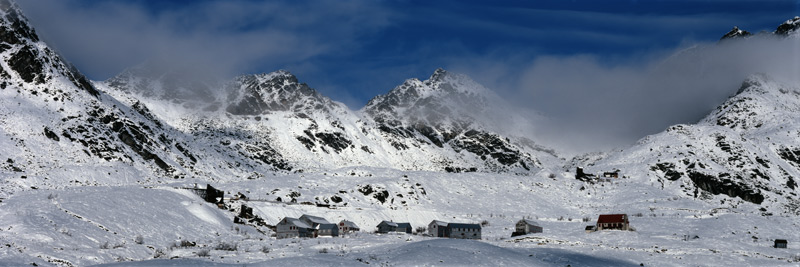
[438, 229]
[465, 230]
[313, 221]
[293, 227]
[613, 222]
[614, 174]
[781, 243]
[591, 228]
[346, 226]
[387, 226]
[403, 228]
[526, 226]
[327, 229]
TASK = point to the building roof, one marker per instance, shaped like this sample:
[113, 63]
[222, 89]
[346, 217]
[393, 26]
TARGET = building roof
[781, 241]
[528, 221]
[439, 223]
[348, 224]
[297, 222]
[314, 219]
[388, 223]
[612, 218]
[464, 225]
[403, 225]
[590, 227]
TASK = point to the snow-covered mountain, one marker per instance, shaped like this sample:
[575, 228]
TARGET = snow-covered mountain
[420, 125]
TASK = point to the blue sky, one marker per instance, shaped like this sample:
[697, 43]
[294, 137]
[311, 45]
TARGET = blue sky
[545, 55]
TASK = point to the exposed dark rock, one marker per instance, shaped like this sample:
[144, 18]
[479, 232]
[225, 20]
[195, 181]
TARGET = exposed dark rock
[723, 185]
[50, 134]
[788, 27]
[668, 169]
[336, 140]
[26, 63]
[790, 154]
[459, 169]
[305, 141]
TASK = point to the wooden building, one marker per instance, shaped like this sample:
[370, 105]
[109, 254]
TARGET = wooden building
[327, 229]
[438, 229]
[613, 222]
[386, 227]
[465, 230]
[403, 228]
[293, 227]
[346, 226]
[781, 243]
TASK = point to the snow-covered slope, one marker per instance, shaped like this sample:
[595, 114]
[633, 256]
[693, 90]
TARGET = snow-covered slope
[746, 149]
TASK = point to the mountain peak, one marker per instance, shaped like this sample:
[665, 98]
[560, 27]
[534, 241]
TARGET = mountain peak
[788, 27]
[280, 90]
[760, 102]
[438, 74]
[736, 33]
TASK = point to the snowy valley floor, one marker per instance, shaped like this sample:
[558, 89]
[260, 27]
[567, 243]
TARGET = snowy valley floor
[145, 226]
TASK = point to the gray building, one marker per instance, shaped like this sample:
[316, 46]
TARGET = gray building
[346, 226]
[327, 229]
[465, 230]
[438, 229]
[781, 243]
[403, 228]
[525, 227]
[387, 226]
[293, 227]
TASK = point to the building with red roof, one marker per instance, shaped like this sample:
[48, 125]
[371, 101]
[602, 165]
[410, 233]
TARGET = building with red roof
[613, 221]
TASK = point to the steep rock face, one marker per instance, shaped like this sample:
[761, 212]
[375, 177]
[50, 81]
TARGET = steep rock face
[745, 149]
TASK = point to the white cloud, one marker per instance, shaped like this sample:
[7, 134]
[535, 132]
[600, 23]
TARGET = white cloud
[595, 103]
[104, 37]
